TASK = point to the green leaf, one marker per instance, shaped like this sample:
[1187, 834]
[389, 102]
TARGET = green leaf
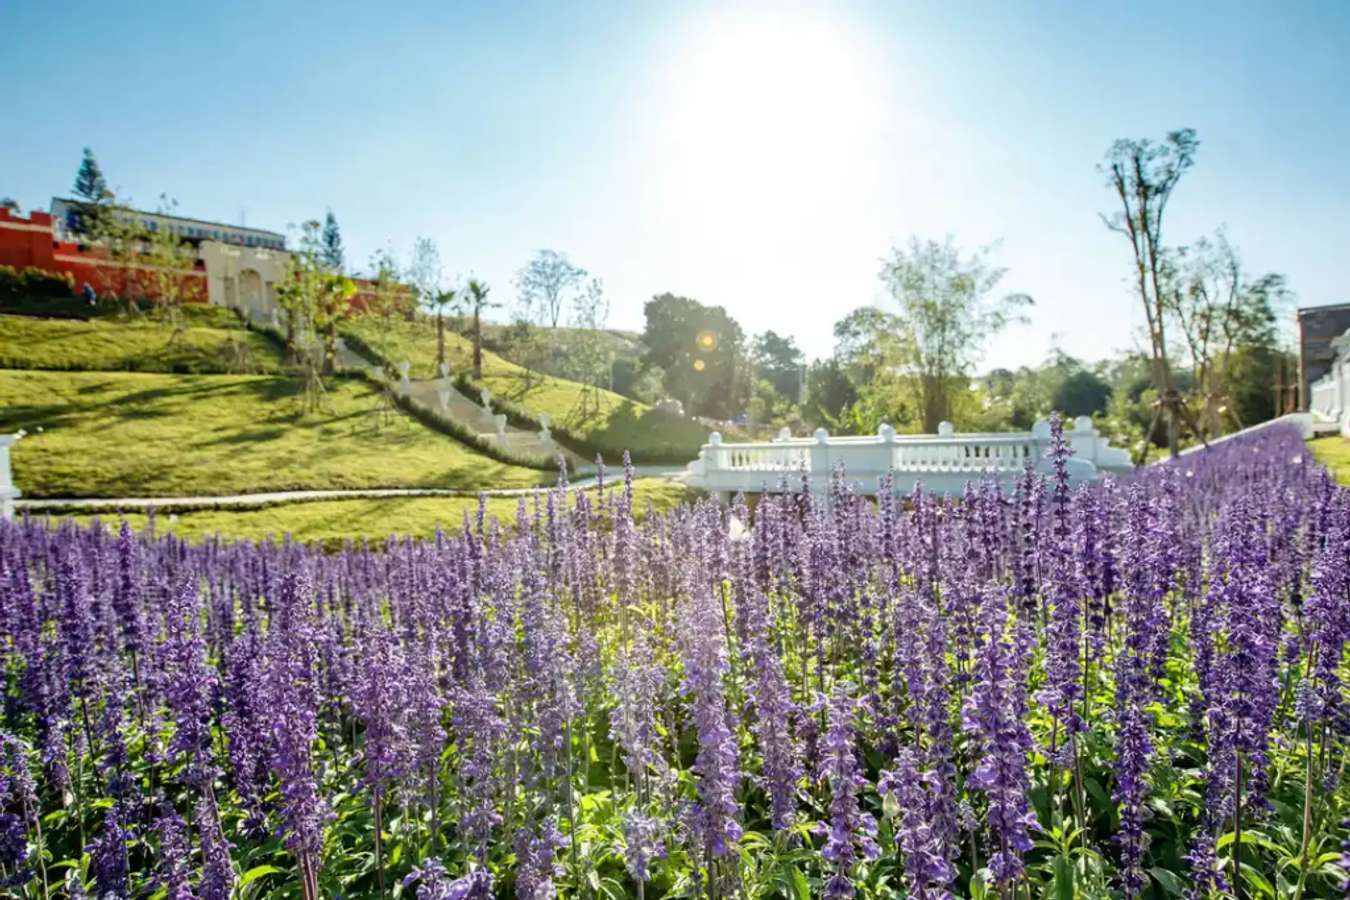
[979, 885]
[1170, 881]
[1257, 880]
[1064, 878]
[257, 872]
[800, 886]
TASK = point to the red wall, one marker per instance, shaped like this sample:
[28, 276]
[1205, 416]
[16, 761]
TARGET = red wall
[26, 242]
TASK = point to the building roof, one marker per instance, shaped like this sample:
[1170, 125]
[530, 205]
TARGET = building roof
[1322, 308]
[184, 219]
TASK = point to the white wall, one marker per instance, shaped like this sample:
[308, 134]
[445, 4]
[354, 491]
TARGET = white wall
[226, 281]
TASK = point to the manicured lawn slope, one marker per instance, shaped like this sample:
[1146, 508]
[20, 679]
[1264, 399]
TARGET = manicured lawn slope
[331, 522]
[213, 341]
[1334, 453]
[121, 434]
[619, 424]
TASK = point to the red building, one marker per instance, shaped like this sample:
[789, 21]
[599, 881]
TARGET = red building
[232, 266]
[32, 243]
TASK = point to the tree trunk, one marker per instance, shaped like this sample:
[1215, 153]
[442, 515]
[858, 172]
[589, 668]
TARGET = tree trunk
[440, 339]
[477, 347]
[330, 348]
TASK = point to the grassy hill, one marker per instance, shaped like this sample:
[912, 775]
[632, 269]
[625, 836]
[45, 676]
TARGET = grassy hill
[214, 340]
[106, 434]
[331, 522]
[619, 424]
[1334, 453]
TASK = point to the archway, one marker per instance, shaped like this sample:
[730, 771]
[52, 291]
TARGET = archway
[251, 292]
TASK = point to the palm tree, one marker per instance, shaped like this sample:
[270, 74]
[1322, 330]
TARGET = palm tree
[442, 300]
[478, 301]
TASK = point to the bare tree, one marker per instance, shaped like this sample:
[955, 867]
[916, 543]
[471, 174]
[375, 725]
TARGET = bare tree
[424, 270]
[546, 284]
[947, 316]
[1143, 175]
[590, 354]
[1217, 308]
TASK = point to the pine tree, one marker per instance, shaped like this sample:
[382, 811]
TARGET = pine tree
[90, 184]
[332, 243]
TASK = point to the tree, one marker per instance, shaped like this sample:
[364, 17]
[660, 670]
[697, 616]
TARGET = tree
[829, 394]
[165, 268]
[1143, 174]
[545, 286]
[1081, 392]
[331, 243]
[10, 204]
[779, 361]
[443, 301]
[92, 197]
[701, 350]
[1218, 310]
[315, 300]
[424, 274]
[590, 354]
[946, 317]
[90, 185]
[388, 295]
[476, 300]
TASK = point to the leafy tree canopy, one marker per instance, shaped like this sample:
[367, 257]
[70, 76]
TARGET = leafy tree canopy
[701, 350]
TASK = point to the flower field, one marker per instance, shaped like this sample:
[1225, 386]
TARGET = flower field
[1131, 688]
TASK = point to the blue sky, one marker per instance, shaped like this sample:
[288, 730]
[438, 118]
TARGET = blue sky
[758, 156]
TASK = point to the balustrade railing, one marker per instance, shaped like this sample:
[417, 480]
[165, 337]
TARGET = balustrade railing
[944, 461]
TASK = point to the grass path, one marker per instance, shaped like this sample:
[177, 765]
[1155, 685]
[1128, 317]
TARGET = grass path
[103, 434]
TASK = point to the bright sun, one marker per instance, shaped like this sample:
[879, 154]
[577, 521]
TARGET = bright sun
[762, 118]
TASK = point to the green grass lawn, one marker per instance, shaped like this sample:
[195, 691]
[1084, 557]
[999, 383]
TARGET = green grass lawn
[213, 341]
[619, 424]
[111, 434]
[1334, 453]
[331, 522]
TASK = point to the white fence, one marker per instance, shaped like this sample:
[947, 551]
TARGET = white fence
[1329, 396]
[8, 492]
[944, 462]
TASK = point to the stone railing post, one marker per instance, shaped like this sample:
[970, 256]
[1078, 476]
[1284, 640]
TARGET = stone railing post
[712, 458]
[886, 434]
[1040, 443]
[820, 460]
[404, 383]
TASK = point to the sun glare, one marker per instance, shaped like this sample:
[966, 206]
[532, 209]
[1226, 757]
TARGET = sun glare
[763, 113]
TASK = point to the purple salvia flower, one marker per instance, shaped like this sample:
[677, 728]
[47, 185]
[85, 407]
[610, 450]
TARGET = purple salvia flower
[927, 871]
[434, 882]
[714, 819]
[851, 833]
[172, 867]
[108, 856]
[994, 714]
[189, 688]
[537, 852]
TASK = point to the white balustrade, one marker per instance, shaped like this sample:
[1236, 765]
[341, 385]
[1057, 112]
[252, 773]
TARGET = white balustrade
[943, 462]
[1329, 396]
[8, 492]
